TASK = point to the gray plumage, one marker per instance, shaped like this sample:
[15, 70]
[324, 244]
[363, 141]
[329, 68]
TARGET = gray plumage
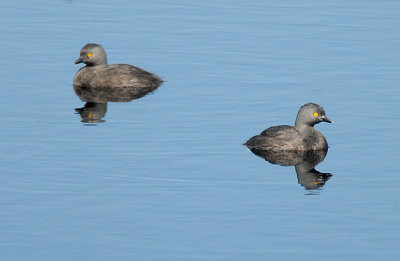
[97, 75]
[302, 137]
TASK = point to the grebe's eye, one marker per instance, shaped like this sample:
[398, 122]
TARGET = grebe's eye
[316, 114]
[89, 55]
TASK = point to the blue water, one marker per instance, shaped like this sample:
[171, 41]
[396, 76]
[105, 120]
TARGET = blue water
[166, 177]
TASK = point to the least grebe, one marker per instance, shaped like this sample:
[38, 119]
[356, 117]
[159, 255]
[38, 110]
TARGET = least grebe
[97, 74]
[302, 137]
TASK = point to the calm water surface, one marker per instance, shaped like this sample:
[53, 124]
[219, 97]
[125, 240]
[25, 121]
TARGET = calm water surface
[166, 177]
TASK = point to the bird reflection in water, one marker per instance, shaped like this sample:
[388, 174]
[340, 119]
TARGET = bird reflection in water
[97, 98]
[304, 163]
[92, 112]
